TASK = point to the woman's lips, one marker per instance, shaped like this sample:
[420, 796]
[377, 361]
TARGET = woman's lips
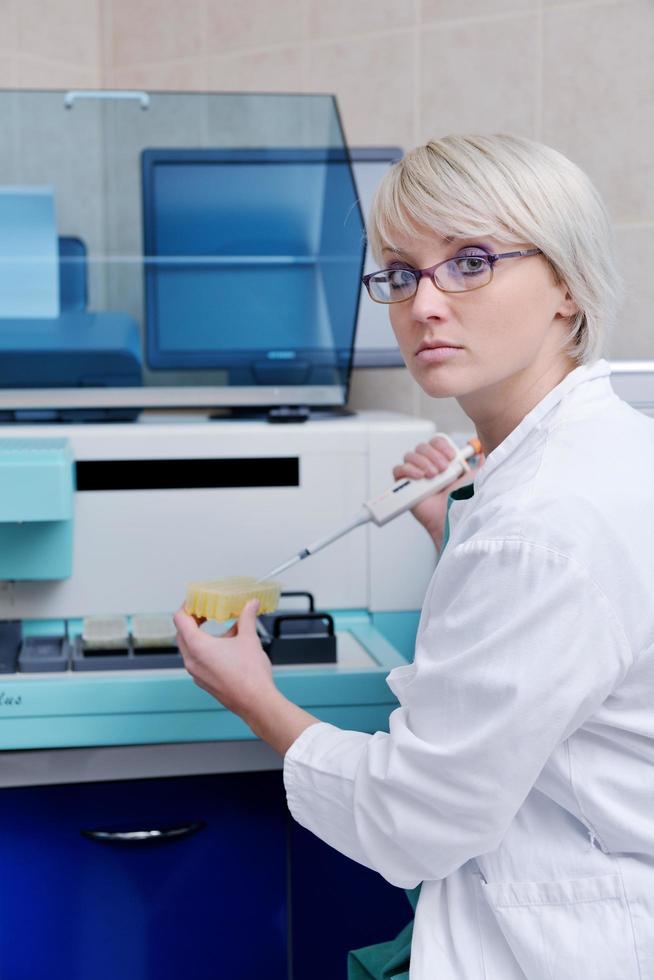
[436, 355]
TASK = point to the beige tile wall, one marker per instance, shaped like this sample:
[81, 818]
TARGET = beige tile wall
[575, 73]
[50, 43]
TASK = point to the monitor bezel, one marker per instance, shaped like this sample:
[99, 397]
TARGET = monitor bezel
[153, 158]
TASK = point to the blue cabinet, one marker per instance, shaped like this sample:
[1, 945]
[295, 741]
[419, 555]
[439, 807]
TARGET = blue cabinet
[248, 895]
[337, 905]
[213, 904]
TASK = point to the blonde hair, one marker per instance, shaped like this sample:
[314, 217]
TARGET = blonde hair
[522, 192]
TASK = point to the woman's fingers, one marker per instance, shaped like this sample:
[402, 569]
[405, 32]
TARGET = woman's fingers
[247, 621]
[444, 446]
[189, 633]
[407, 472]
[439, 451]
[422, 462]
[186, 624]
[427, 460]
[434, 455]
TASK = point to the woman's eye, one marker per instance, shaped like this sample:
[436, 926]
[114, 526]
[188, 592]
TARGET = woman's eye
[469, 265]
[400, 278]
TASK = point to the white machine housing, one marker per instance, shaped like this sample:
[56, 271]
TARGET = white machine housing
[136, 550]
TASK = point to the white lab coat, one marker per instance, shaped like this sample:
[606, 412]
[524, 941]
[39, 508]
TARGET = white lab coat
[517, 780]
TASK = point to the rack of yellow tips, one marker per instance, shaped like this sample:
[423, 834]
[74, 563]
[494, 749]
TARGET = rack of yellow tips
[226, 598]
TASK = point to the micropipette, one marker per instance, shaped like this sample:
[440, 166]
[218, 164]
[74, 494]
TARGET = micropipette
[402, 496]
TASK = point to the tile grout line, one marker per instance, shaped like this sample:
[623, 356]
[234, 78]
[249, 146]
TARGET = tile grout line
[540, 74]
[587, 4]
[106, 35]
[205, 57]
[416, 409]
[304, 48]
[417, 73]
[502, 15]
[417, 128]
[13, 14]
[37, 59]
[412, 31]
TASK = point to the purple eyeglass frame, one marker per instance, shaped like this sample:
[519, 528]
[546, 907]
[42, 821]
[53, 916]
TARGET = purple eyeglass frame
[431, 272]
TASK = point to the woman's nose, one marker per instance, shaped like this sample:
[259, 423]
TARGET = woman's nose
[429, 301]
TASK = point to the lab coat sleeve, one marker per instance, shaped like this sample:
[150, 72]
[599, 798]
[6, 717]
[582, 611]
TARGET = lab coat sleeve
[520, 646]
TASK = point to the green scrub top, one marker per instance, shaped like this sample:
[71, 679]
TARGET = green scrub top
[390, 960]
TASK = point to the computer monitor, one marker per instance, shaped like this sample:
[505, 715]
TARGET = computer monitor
[252, 265]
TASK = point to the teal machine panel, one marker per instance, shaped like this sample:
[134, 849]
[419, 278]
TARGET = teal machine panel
[37, 477]
[153, 706]
[125, 498]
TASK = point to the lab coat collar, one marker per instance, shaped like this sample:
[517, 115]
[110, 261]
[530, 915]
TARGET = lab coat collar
[586, 372]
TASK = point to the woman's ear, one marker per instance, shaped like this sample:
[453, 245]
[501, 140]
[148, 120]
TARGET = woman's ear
[567, 308]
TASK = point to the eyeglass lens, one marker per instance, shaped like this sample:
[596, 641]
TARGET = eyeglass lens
[457, 275]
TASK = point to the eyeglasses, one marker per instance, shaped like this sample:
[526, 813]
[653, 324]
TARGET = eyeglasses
[458, 275]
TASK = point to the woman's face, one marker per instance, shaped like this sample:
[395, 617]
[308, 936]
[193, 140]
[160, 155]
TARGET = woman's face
[514, 324]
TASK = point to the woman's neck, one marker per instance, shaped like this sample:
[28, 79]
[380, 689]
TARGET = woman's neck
[497, 410]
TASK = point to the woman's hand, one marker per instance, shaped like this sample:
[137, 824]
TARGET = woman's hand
[427, 460]
[235, 669]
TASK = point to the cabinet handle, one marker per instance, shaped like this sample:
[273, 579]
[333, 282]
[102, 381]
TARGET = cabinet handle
[144, 836]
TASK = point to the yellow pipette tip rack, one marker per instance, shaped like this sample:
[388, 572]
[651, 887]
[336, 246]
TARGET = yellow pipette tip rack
[226, 597]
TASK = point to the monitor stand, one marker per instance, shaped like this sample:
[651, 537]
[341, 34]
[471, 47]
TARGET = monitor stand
[280, 414]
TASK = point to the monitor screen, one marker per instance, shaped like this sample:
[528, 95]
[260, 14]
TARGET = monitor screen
[252, 262]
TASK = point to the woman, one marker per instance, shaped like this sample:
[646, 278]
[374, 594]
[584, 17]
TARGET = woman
[516, 782]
